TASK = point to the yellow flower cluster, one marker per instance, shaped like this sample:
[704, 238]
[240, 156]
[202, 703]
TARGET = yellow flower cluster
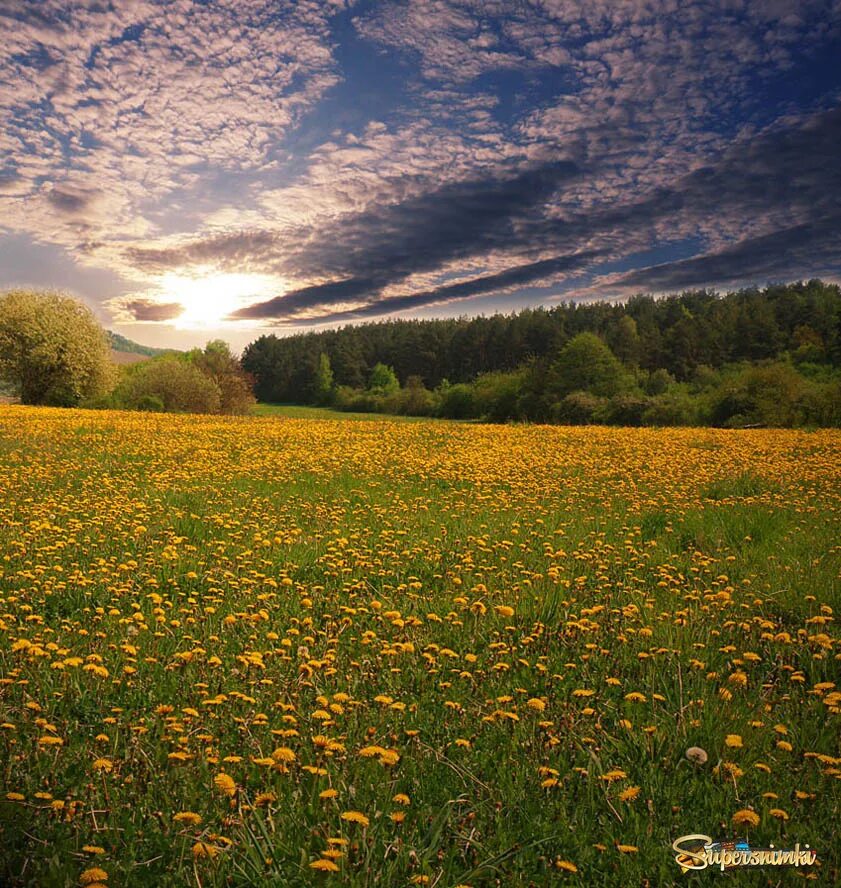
[248, 647]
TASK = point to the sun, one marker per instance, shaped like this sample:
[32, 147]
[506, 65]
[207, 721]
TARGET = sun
[208, 299]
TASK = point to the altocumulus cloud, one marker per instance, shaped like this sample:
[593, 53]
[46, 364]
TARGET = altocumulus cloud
[490, 148]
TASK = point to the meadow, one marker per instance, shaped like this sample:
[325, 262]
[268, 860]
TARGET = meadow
[297, 651]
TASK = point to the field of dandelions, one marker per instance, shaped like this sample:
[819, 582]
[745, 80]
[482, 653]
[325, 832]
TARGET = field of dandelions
[292, 652]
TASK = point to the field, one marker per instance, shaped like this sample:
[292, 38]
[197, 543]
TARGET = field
[295, 651]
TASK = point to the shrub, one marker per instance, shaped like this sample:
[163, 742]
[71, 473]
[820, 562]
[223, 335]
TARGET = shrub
[178, 384]
[457, 402]
[577, 408]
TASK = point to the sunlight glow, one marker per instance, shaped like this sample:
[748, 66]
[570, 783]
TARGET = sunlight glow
[209, 298]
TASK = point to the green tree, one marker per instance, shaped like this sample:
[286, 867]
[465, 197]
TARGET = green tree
[217, 362]
[52, 350]
[625, 340]
[383, 380]
[586, 363]
[322, 384]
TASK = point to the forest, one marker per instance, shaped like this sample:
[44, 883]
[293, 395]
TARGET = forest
[752, 357]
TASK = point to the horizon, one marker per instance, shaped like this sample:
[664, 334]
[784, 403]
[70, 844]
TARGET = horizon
[196, 171]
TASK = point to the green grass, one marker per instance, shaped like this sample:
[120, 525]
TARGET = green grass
[296, 411]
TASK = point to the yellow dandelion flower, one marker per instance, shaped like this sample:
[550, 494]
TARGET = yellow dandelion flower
[93, 849]
[328, 794]
[778, 813]
[203, 849]
[324, 865]
[629, 794]
[94, 874]
[745, 817]
[734, 741]
[188, 817]
[355, 817]
[566, 865]
[104, 765]
[225, 784]
[284, 754]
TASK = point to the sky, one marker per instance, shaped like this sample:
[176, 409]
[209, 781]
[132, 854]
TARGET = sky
[195, 169]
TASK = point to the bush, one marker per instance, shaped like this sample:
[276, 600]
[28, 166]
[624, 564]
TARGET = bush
[176, 383]
[765, 395]
[496, 395]
[671, 409]
[415, 399]
[457, 402]
[577, 408]
[623, 409]
[150, 404]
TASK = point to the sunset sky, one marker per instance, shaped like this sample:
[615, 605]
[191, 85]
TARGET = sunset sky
[194, 168]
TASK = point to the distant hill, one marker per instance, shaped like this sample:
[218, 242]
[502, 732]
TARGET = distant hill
[123, 345]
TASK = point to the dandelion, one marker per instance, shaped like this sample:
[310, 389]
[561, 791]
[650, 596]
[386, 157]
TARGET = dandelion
[629, 794]
[697, 755]
[94, 874]
[283, 754]
[188, 817]
[103, 765]
[325, 865]
[734, 741]
[745, 817]
[93, 849]
[355, 817]
[566, 866]
[225, 784]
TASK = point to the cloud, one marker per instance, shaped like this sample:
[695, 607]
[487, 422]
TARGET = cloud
[757, 187]
[286, 308]
[148, 310]
[810, 248]
[68, 202]
[554, 139]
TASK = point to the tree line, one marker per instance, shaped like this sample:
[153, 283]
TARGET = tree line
[754, 356]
